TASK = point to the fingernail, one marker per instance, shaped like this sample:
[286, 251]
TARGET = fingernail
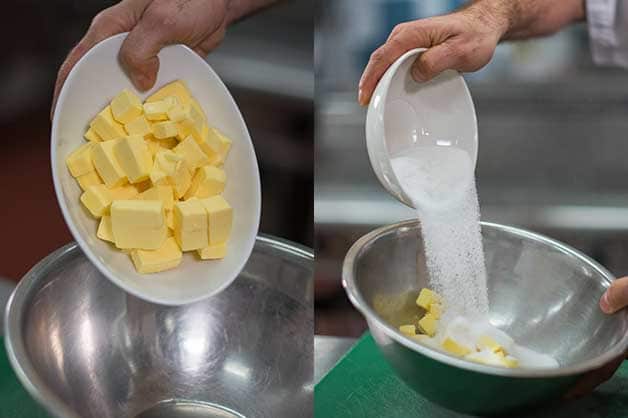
[360, 96]
[604, 304]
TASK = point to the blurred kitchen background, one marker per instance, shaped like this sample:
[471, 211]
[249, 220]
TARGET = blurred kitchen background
[553, 155]
[265, 60]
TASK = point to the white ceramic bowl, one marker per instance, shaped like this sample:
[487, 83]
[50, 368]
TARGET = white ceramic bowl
[403, 113]
[92, 83]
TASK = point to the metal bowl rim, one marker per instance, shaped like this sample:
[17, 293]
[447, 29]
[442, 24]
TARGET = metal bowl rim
[13, 316]
[355, 296]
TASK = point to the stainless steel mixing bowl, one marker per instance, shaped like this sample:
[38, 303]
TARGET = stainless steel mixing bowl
[542, 292]
[85, 348]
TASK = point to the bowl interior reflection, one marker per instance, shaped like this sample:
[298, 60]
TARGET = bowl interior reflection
[101, 352]
[541, 293]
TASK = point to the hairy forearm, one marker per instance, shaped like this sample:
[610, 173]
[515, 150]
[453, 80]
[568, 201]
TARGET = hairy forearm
[520, 19]
[237, 9]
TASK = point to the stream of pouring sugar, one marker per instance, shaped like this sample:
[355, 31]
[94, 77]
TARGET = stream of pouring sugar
[441, 183]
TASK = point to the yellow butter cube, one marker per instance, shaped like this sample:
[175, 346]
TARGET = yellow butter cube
[225, 146]
[197, 107]
[408, 330]
[193, 124]
[126, 106]
[213, 252]
[179, 112]
[488, 343]
[166, 257]
[426, 296]
[170, 220]
[158, 177]
[89, 179]
[139, 126]
[207, 181]
[176, 89]
[106, 126]
[162, 193]
[428, 324]
[167, 160]
[97, 200]
[104, 229]
[190, 225]
[453, 347]
[191, 153]
[157, 110]
[107, 165]
[176, 172]
[134, 157]
[210, 144]
[126, 192]
[138, 224]
[436, 309]
[80, 161]
[491, 359]
[510, 362]
[154, 147]
[92, 136]
[220, 218]
[163, 130]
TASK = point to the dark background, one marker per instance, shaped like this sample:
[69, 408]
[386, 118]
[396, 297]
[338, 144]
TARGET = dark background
[266, 62]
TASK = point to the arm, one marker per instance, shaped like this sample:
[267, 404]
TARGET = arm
[466, 39]
[153, 24]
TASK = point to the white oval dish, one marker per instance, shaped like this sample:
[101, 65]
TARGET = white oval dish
[403, 113]
[91, 84]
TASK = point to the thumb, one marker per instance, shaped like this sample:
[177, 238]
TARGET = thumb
[616, 297]
[138, 54]
[434, 61]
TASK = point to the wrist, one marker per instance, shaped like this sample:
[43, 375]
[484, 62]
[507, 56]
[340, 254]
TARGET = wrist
[499, 15]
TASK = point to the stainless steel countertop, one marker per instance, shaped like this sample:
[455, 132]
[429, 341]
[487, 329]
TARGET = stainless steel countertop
[327, 352]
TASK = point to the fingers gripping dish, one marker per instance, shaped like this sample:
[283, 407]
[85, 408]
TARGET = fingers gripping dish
[153, 174]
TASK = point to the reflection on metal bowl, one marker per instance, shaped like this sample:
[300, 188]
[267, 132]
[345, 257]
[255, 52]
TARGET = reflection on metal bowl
[85, 348]
[542, 293]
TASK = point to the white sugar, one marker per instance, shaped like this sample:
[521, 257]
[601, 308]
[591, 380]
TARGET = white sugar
[441, 184]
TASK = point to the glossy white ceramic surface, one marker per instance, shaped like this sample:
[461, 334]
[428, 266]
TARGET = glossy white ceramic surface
[403, 113]
[92, 83]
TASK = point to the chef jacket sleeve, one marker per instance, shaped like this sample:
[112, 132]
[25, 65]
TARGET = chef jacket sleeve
[608, 29]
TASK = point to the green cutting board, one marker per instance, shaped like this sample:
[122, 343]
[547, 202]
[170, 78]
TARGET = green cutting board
[15, 402]
[362, 385]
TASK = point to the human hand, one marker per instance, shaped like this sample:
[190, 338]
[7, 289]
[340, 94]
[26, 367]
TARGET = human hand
[466, 39]
[152, 24]
[613, 300]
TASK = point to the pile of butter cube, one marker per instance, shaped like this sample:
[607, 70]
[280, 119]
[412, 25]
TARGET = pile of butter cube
[459, 337]
[152, 173]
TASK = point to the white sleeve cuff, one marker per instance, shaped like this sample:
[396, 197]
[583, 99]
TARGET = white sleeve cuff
[608, 30]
